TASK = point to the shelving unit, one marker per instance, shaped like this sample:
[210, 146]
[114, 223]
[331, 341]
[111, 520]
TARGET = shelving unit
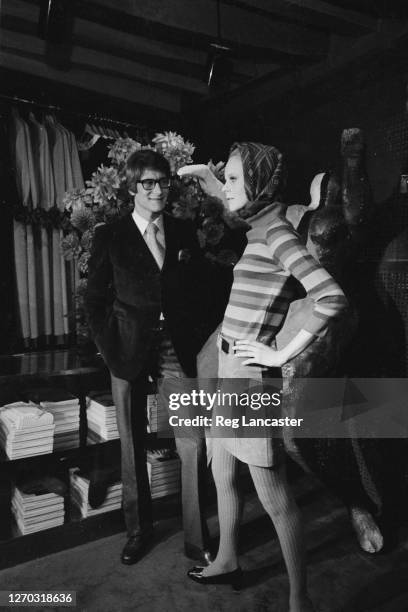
[65, 369]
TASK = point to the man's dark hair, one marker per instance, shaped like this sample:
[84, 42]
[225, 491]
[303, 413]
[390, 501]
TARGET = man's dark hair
[143, 160]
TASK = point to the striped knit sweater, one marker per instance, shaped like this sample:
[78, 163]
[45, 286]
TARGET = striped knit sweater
[263, 289]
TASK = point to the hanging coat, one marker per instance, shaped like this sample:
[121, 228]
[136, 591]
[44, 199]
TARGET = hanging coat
[57, 156]
[19, 155]
[39, 139]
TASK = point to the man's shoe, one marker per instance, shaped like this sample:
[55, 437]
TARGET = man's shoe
[135, 547]
[204, 556]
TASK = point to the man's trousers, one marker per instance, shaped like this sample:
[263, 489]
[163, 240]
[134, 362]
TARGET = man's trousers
[130, 400]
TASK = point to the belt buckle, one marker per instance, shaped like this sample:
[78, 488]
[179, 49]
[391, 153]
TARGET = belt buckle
[225, 345]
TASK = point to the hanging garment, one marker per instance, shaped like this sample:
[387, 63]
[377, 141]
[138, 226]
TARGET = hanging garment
[9, 317]
[67, 301]
[75, 163]
[74, 180]
[57, 155]
[20, 162]
[66, 147]
[31, 255]
[39, 139]
[58, 161]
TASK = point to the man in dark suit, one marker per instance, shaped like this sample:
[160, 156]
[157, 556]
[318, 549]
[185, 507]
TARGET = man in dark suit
[142, 301]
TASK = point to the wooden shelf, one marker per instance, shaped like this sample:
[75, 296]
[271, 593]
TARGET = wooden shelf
[79, 374]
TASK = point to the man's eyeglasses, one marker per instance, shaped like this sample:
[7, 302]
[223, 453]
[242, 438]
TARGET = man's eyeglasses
[150, 184]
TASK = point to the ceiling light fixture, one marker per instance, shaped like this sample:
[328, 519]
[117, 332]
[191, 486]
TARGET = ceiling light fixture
[219, 66]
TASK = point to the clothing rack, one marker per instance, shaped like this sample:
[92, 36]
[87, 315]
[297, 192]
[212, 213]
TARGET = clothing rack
[87, 116]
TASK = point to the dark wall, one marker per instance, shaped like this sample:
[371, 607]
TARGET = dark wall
[312, 138]
[307, 126]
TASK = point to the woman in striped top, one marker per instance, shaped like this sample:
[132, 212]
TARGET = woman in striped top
[262, 291]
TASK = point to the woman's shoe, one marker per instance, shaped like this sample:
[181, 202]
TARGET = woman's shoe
[367, 531]
[233, 578]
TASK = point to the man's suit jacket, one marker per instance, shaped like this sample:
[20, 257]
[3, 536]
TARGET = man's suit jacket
[126, 293]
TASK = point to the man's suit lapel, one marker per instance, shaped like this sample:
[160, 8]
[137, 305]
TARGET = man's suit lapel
[137, 244]
[171, 238]
[134, 239]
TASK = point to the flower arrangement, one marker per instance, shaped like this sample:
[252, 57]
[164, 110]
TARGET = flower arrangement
[175, 149]
[120, 150]
[105, 198]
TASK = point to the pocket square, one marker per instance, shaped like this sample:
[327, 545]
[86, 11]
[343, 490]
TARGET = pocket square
[184, 255]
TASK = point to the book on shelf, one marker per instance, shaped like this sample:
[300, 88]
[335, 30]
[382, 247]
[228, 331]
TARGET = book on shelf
[28, 453]
[101, 433]
[155, 493]
[35, 499]
[40, 526]
[100, 399]
[66, 427]
[101, 421]
[80, 491]
[52, 396]
[83, 482]
[164, 472]
[42, 514]
[21, 435]
[82, 499]
[65, 413]
[28, 444]
[26, 434]
[167, 479]
[25, 414]
[36, 512]
[112, 492]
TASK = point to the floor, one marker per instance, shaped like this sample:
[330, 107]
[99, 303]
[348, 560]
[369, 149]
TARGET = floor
[342, 578]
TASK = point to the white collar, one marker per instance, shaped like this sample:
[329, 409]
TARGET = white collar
[142, 223]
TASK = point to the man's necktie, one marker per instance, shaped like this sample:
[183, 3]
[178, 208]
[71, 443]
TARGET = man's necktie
[153, 242]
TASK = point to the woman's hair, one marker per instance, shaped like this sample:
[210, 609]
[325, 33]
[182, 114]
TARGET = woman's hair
[143, 160]
[264, 175]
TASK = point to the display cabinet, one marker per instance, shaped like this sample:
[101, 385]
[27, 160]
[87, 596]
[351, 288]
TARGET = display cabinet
[63, 369]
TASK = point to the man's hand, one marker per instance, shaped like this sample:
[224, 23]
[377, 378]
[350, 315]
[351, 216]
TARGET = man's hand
[258, 353]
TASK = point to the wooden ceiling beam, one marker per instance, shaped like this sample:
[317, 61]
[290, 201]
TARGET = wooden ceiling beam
[113, 46]
[26, 54]
[18, 16]
[312, 13]
[272, 88]
[26, 10]
[105, 62]
[87, 79]
[76, 102]
[329, 10]
[194, 26]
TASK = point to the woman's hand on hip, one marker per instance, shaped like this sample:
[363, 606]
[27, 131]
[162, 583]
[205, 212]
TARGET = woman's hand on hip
[259, 353]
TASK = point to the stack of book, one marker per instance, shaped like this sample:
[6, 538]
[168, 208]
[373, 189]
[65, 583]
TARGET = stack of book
[80, 493]
[157, 417]
[164, 473]
[36, 512]
[26, 430]
[101, 416]
[65, 409]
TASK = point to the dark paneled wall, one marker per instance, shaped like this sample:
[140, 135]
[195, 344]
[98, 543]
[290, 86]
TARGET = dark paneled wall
[306, 126]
